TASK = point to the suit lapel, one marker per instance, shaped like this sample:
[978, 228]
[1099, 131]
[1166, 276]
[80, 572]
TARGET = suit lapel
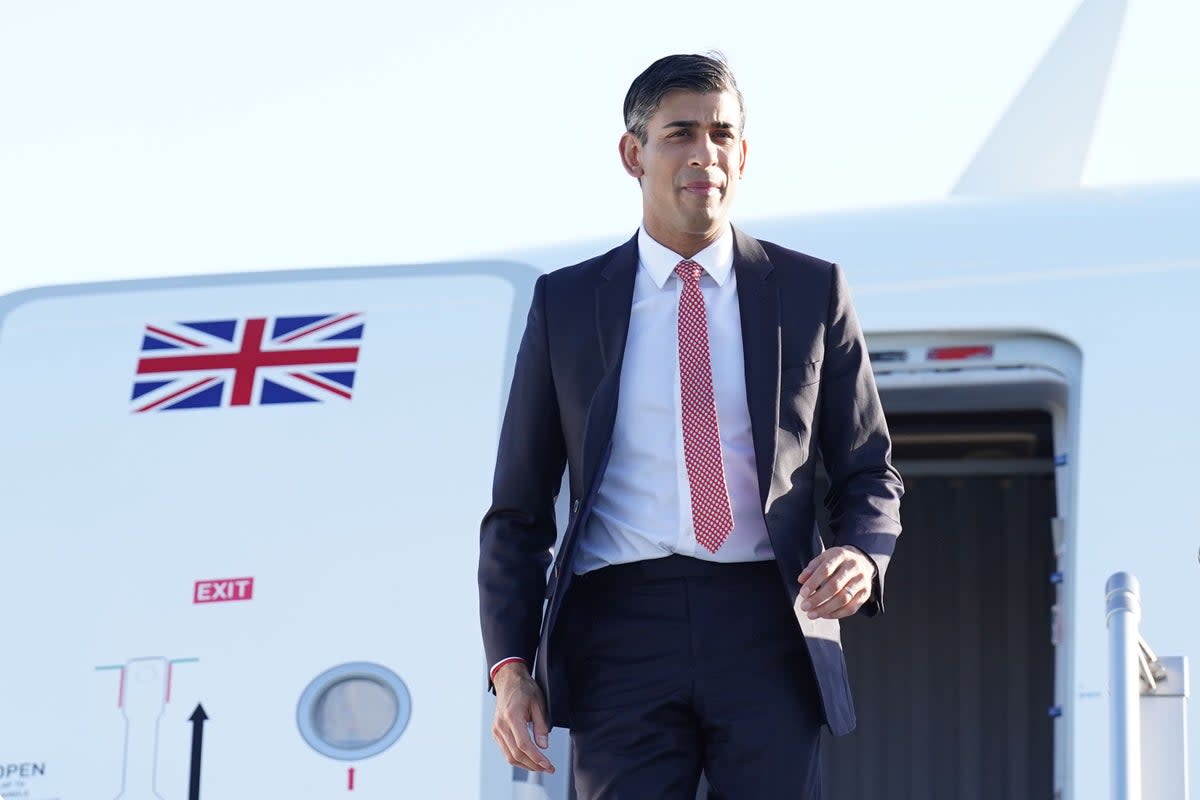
[758, 304]
[614, 299]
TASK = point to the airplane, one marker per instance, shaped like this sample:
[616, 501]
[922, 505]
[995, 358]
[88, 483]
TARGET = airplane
[241, 541]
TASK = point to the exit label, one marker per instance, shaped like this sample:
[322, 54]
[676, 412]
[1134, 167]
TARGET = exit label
[223, 590]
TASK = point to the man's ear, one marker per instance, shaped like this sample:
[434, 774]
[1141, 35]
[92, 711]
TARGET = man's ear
[631, 154]
[745, 151]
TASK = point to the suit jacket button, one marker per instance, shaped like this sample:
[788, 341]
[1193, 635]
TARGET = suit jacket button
[575, 506]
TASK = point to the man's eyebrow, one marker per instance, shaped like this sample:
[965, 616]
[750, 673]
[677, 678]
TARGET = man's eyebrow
[691, 123]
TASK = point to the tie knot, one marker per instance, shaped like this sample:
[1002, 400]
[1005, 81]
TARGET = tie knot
[689, 271]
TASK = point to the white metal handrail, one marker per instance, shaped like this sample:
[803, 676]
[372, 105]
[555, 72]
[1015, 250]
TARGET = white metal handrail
[1123, 607]
[1148, 699]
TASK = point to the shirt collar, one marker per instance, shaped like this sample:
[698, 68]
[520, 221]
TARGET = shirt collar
[660, 261]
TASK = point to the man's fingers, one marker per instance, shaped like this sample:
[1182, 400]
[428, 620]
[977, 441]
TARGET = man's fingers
[529, 753]
[842, 603]
[518, 749]
[834, 592]
[503, 736]
[850, 607]
[825, 581]
[835, 584]
[819, 570]
[511, 730]
[807, 571]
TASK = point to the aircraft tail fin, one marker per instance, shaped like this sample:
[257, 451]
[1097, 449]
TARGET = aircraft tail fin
[1043, 138]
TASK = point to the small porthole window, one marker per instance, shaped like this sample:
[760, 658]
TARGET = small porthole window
[354, 711]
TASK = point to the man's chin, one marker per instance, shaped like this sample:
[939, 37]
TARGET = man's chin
[693, 223]
[705, 224]
[703, 216]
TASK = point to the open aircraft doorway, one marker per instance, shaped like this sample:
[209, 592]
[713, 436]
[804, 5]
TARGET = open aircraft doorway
[957, 684]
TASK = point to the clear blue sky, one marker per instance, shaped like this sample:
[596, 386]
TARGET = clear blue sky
[143, 138]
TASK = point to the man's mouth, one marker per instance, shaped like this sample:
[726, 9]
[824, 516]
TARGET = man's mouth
[700, 187]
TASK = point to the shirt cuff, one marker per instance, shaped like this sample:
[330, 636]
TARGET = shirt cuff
[496, 667]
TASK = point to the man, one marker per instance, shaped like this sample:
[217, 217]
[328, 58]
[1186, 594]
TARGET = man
[689, 379]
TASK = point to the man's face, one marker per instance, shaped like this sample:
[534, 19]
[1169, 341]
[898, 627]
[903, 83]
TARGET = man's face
[689, 166]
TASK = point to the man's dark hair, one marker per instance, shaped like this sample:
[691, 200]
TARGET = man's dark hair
[691, 73]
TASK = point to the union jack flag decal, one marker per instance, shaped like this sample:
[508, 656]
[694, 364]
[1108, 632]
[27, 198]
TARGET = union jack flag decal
[242, 362]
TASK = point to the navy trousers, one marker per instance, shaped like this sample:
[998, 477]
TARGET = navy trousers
[677, 666]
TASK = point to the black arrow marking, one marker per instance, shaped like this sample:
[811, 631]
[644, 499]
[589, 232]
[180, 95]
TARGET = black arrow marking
[197, 718]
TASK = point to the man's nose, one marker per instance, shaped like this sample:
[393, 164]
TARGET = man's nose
[704, 152]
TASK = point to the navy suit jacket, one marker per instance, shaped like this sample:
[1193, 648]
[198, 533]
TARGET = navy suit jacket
[810, 392]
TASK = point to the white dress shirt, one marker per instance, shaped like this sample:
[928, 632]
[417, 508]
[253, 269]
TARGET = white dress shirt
[643, 507]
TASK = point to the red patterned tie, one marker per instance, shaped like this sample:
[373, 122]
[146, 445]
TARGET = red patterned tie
[711, 516]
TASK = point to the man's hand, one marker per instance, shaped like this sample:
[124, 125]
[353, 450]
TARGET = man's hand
[836, 583]
[519, 702]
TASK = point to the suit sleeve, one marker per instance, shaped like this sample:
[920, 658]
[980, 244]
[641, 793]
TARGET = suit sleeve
[519, 530]
[865, 489]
